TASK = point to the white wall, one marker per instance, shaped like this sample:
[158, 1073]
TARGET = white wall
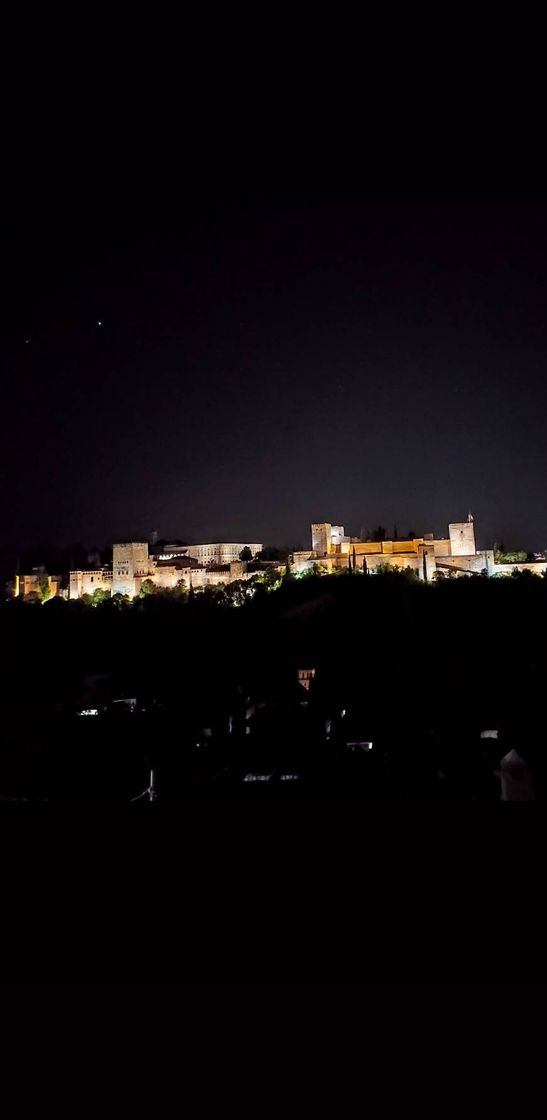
[462, 538]
[86, 582]
[538, 567]
[220, 552]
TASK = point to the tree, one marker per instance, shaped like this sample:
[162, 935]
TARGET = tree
[239, 591]
[44, 590]
[215, 595]
[319, 570]
[511, 557]
[379, 534]
[148, 587]
[99, 595]
[395, 572]
[119, 601]
[270, 579]
[272, 553]
[246, 554]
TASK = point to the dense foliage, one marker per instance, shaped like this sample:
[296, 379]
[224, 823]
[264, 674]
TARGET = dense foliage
[455, 645]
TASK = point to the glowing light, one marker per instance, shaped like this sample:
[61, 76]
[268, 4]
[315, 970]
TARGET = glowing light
[361, 745]
[489, 734]
[257, 777]
[130, 704]
[99, 322]
[89, 712]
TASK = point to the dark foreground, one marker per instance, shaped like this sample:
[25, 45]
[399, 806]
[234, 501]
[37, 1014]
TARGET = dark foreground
[280, 751]
[417, 691]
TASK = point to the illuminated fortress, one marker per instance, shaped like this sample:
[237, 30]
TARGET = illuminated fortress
[333, 551]
[195, 567]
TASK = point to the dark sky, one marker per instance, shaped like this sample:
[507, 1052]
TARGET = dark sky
[265, 362]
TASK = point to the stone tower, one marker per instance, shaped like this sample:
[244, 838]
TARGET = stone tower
[130, 566]
[462, 538]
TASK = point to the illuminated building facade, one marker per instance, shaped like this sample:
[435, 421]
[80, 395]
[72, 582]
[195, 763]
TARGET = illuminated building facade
[333, 551]
[32, 584]
[212, 565]
[86, 582]
[325, 537]
[131, 566]
[223, 553]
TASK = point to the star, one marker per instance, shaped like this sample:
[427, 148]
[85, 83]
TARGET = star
[99, 322]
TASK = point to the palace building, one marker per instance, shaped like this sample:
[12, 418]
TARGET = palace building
[220, 553]
[195, 566]
[332, 550]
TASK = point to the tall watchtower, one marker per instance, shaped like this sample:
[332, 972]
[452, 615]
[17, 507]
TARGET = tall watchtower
[129, 563]
[462, 538]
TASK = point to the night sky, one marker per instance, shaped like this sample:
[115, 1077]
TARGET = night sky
[237, 368]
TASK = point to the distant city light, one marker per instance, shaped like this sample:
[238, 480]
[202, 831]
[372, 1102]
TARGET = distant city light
[257, 777]
[89, 712]
[130, 704]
